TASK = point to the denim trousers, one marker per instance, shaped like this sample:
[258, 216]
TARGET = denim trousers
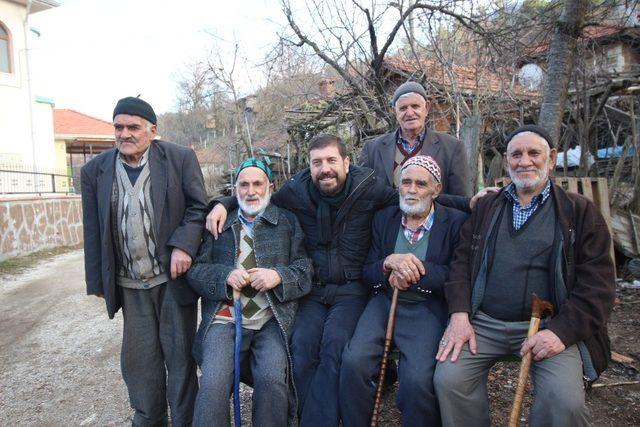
[418, 329]
[320, 333]
[268, 362]
[462, 386]
[156, 357]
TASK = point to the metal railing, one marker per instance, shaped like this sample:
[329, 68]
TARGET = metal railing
[14, 181]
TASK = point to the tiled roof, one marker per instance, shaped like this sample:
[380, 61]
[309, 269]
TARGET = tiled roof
[598, 31]
[465, 78]
[208, 156]
[70, 122]
[592, 33]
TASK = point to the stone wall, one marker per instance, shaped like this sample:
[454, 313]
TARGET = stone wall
[29, 224]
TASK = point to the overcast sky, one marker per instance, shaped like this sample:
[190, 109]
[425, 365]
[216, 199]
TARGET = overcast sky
[93, 52]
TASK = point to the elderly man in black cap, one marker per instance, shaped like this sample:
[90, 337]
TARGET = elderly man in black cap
[143, 215]
[531, 237]
[387, 153]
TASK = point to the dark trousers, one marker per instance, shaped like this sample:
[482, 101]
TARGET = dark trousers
[418, 329]
[156, 356]
[320, 333]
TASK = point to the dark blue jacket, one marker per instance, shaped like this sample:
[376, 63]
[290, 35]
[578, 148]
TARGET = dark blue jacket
[338, 266]
[442, 241]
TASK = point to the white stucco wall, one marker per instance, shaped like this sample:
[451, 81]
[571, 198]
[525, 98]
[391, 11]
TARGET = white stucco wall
[14, 96]
[44, 139]
[16, 140]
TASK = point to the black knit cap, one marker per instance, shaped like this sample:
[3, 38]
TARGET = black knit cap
[539, 130]
[135, 107]
[406, 88]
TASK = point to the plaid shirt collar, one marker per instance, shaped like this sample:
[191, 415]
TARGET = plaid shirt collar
[400, 140]
[522, 213]
[414, 235]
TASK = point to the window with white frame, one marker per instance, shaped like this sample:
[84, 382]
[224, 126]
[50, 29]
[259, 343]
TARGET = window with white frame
[5, 50]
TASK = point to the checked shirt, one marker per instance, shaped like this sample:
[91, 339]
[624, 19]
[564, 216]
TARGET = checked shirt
[522, 214]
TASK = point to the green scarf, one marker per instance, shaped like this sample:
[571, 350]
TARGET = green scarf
[328, 207]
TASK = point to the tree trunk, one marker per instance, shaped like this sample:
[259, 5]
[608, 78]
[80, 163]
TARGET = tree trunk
[635, 166]
[470, 137]
[561, 59]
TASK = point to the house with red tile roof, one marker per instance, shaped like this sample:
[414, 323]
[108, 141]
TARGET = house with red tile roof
[81, 133]
[79, 137]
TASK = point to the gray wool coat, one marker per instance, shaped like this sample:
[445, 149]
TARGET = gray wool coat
[278, 245]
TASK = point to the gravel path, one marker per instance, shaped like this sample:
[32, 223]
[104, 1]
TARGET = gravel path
[59, 352]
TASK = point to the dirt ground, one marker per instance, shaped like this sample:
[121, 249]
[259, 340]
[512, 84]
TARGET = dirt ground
[59, 357]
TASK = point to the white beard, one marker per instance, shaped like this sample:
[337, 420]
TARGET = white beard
[531, 183]
[255, 210]
[422, 207]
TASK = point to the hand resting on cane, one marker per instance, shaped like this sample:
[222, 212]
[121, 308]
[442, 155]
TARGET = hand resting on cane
[407, 266]
[398, 282]
[238, 279]
[543, 344]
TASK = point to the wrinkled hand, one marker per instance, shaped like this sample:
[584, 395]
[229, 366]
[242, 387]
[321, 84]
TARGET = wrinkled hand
[263, 279]
[543, 344]
[480, 194]
[215, 220]
[457, 333]
[397, 281]
[180, 262]
[238, 279]
[408, 266]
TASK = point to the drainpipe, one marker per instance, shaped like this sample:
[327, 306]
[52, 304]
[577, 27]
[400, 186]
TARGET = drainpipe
[30, 95]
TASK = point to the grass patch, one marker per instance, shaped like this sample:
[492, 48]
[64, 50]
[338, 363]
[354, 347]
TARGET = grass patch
[20, 264]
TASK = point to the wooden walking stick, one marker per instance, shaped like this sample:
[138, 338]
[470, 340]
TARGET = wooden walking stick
[385, 355]
[538, 307]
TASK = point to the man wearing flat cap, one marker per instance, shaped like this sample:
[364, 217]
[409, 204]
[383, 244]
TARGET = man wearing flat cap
[416, 238]
[386, 154]
[143, 215]
[260, 253]
[531, 237]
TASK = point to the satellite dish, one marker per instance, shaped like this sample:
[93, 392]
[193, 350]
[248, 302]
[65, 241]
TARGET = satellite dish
[531, 76]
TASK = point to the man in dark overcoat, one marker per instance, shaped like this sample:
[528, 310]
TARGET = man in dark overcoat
[143, 215]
